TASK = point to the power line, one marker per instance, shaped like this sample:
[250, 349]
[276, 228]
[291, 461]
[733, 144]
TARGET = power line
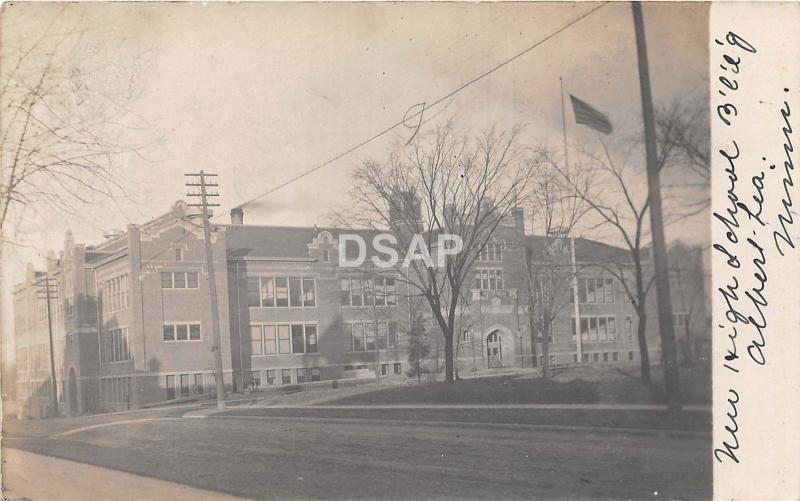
[424, 107]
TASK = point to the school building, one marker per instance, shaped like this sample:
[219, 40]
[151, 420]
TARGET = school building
[131, 316]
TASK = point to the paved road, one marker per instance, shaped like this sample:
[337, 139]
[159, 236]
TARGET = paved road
[265, 457]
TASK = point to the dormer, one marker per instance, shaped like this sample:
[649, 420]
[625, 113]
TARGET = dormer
[324, 247]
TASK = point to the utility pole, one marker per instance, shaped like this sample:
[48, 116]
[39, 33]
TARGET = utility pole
[45, 293]
[665, 324]
[203, 184]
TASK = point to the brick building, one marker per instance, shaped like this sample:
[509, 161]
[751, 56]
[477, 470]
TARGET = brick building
[132, 322]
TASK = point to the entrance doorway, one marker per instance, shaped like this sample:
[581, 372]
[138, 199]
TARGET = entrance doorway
[494, 349]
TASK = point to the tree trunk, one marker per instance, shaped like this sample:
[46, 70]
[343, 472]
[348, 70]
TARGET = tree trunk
[545, 350]
[689, 341]
[644, 356]
[448, 357]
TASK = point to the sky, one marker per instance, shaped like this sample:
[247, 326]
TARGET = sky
[260, 93]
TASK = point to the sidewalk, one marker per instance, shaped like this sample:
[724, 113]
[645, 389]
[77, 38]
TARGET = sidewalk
[68, 480]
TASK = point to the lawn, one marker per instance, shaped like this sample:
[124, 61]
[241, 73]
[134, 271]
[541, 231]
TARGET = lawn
[575, 385]
[495, 390]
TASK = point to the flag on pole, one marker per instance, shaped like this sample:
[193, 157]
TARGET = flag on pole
[585, 114]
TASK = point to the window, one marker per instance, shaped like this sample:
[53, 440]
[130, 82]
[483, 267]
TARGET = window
[605, 357]
[270, 340]
[198, 384]
[256, 340]
[295, 291]
[170, 387]
[611, 324]
[281, 291]
[114, 345]
[114, 294]
[552, 360]
[182, 332]
[284, 340]
[298, 344]
[492, 252]
[369, 329]
[369, 291]
[595, 357]
[316, 375]
[596, 290]
[380, 291]
[392, 327]
[615, 356]
[326, 256]
[179, 280]
[364, 335]
[630, 356]
[489, 279]
[301, 375]
[311, 338]
[178, 254]
[309, 292]
[286, 376]
[358, 337]
[268, 292]
[598, 328]
[585, 357]
[356, 298]
[184, 385]
[271, 377]
[382, 336]
[384, 369]
[398, 368]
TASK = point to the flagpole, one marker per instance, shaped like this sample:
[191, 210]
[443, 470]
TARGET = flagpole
[575, 295]
[564, 123]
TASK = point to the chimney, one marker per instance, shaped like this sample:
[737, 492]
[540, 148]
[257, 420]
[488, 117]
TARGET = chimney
[519, 220]
[237, 215]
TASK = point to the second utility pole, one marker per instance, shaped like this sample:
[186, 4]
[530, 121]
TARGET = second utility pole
[45, 294]
[212, 283]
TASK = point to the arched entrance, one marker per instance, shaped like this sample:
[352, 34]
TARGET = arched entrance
[494, 349]
[500, 347]
[73, 392]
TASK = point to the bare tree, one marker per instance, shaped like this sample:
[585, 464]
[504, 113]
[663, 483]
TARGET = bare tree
[441, 183]
[684, 146]
[609, 190]
[549, 271]
[61, 117]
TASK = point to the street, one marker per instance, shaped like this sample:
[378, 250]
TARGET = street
[252, 455]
